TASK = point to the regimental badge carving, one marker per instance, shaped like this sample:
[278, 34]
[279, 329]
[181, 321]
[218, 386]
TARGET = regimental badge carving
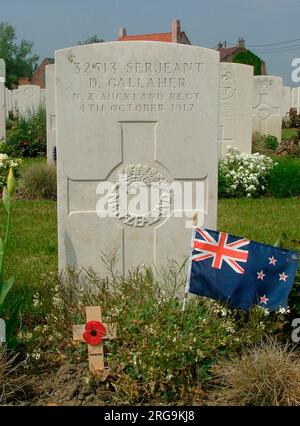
[227, 85]
[141, 195]
[263, 111]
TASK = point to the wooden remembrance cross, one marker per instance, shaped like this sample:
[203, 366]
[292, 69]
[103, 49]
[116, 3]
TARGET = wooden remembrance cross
[96, 352]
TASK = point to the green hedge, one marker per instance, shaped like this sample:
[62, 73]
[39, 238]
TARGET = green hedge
[284, 178]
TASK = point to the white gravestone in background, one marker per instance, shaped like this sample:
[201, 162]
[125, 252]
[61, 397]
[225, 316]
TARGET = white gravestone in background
[145, 109]
[14, 101]
[2, 71]
[2, 100]
[267, 101]
[29, 99]
[50, 113]
[296, 98]
[7, 95]
[235, 107]
[286, 100]
[9, 100]
[43, 97]
[2, 111]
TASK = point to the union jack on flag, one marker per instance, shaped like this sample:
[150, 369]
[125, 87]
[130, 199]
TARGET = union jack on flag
[239, 271]
[220, 250]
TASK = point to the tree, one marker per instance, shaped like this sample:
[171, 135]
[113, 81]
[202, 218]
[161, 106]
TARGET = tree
[249, 58]
[19, 59]
[91, 40]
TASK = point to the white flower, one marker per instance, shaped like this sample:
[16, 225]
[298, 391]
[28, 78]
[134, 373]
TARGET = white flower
[282, 310]
[36, 354]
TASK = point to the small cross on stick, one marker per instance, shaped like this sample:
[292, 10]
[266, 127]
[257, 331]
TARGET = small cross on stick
[95, 351]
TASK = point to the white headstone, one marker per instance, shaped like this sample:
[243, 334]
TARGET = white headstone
[296, 98]
[14, 100]
[146, 109]
[2, 110]
[2, 71]
[50, 113]
[286, 100]
[235, 107]
[43, 97]
[9, 100]
[6, 103]
[29, 99]
[2, 331]
[2, 100]
[267, 101]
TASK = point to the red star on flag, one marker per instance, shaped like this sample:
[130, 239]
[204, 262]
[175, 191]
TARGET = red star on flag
[272, 260]
[283, 277]
[264, 299]
[261, 275]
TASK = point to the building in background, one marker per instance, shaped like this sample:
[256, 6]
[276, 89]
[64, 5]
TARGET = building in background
[174, 36]
[39, 76]
[240, 54]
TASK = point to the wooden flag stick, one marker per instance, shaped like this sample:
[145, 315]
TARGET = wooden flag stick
[195, 219]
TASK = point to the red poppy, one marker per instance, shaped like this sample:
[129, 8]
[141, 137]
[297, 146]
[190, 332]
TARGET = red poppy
[94, 332]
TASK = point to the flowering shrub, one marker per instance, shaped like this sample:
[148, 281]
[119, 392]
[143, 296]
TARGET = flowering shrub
[27, 136]
[159, 353]
[243, 175]
[5, 164]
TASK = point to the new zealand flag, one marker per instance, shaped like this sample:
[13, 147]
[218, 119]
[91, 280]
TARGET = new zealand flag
[240, 272]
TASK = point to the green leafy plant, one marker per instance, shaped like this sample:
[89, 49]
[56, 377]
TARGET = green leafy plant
[6, 284]
[271, 142]
[159, 353]
[27, 136]
[294, 117]
[248, 58]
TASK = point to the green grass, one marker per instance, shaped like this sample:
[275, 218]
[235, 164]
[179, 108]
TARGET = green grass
[28, 162]
[288, 133]
[32, 249]
[263, 220]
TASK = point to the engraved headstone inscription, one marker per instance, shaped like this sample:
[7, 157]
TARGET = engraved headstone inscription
[131, 117]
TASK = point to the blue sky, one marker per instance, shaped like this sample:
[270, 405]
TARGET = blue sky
[55, 24]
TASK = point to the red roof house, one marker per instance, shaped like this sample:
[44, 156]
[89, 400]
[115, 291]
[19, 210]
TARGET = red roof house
[175, 36]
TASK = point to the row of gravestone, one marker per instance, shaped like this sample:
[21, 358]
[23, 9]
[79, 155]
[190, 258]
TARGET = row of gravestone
[133, 116]
[20, 102]
[24, 100]
[247, 104]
